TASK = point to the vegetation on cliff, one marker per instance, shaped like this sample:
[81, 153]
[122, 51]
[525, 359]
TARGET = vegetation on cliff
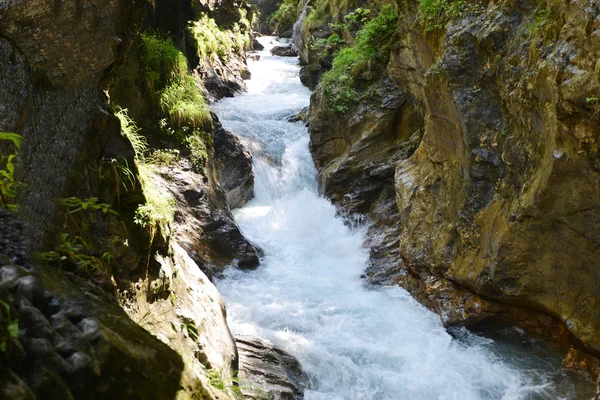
[283, 19]
[8, 161]
[355, 66]
[214, 42]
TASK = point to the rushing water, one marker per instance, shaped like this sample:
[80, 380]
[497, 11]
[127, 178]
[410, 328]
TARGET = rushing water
[355, 341]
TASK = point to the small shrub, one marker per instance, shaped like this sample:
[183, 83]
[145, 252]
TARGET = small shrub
[359, 16]
[196, 143]
[164, 157]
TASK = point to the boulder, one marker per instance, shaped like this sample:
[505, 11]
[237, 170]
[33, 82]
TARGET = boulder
[271, 373]
[283, 51]
[234, 167]
[256, 45]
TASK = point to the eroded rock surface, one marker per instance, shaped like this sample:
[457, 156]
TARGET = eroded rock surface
[73, 338]
[487, 141]
[233, 164]
[273, 373]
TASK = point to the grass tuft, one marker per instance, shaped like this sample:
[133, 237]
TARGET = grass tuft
[361, 62]
[174, 89]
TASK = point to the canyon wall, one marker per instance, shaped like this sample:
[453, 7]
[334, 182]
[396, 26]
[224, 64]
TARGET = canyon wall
[475, 154]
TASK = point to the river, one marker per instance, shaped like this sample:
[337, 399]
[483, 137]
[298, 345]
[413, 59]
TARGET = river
[354, 340]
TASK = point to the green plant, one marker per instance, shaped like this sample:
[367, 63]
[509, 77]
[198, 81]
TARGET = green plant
[358, 16]
[130, 130]
[74, 250]
[284, 17]
[433, 14]
[75, 204]
[159, 59]
[8, 183]
[360, 62]
[540, 21]
[175, 90]
[159, 209]
[212, 42]
[194, 139]
[332, 10]
[184, 102]
[196, 143]
[119, 173]
[10, 328]
[164, 157]
[593, 101]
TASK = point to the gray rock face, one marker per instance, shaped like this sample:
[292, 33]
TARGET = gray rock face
[497, 201]
[204, 225]
[73, 338]
[274, 374]
[233, 165]
[57, 57]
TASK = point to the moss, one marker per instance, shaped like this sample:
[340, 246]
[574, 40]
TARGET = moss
[360, 63]
[324, 10]
[159, 210]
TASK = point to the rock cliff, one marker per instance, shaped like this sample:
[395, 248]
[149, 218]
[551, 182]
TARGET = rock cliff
[475, 154]
[125, 183]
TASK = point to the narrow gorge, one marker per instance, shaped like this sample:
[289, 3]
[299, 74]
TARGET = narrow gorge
[318, 199]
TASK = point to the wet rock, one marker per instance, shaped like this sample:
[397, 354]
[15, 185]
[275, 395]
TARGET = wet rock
[310, 75]
[234, 166]
[283, 51]
[253, 56]
[204, 225]
[272, 373]
[245, 74]
[256, 45]
[301, 116]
